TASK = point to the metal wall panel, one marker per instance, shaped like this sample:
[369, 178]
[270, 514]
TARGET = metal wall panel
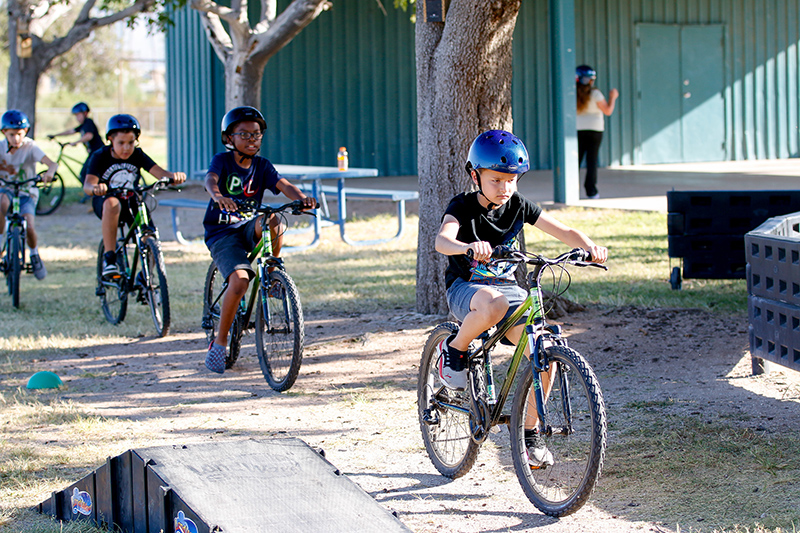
[348, 80]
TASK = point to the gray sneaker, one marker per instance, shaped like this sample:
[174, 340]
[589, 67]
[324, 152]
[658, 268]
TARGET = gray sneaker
[38, 267]
[538, 454]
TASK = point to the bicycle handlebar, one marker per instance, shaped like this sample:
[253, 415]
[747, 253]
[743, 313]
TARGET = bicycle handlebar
[577, 256]
[295, 206]
[20, 183]
[136, 188]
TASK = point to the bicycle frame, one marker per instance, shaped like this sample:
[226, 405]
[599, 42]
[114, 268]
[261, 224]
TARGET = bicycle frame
[138, 228]
[64, 158]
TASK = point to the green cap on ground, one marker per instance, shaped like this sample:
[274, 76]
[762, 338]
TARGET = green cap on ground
[44, 380]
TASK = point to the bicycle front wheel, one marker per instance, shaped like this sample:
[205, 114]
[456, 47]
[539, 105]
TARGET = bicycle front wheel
[50, 195]
[113, 293]
[443, 413]
[14, 260]
[212, 307]
[280, 331]
[575, 434]
[156, 289]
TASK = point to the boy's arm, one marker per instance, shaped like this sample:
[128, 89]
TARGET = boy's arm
[447, 243]
[293, 193]
[571, 237]
[65, 132]
[93, 187]
[52, 166]
[85, 138]
[174, 177]
[212, 187]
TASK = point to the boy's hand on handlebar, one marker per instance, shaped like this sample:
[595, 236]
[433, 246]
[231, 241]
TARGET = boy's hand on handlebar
[100, 189]
[226, 204]
[599, 254]
[481, 251]
[47, 177]
[309, 202]
[178, 178]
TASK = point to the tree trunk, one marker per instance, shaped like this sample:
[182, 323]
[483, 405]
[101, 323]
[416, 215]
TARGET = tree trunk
[463, 88]
[23, 73]
[243, 83]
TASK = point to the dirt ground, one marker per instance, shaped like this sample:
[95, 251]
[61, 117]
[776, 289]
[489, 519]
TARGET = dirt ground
[356, 399]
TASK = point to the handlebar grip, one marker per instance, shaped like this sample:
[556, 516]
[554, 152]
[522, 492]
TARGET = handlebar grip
[579, 254]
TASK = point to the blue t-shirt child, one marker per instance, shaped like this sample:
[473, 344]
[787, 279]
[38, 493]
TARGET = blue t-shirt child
[240, 183]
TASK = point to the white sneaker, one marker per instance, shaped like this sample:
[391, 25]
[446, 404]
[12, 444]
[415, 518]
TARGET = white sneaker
[538, 454]
[38, 267]
[451, 377]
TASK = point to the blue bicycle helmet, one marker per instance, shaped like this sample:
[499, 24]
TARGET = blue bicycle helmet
[15, 120]
[498, 150]
[80, 107]
[122, 122]
[240, 114]
[584, 74]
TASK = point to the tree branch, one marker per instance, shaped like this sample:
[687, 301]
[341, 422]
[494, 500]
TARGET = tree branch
[209, 6]
[217, 36]
[83, 16]
[298, 15]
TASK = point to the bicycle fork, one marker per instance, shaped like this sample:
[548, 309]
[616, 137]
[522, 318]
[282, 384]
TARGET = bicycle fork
[539, 365]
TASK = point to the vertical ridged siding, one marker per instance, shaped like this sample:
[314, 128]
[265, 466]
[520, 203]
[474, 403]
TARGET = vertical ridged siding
[348, 79]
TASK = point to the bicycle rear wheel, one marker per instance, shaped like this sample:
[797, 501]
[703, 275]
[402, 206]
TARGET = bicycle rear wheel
[280, 331]
[113, 293]
[156, 290]
[50, 195]
[576, 434]
[212, 306]
[444, 413]
[14, 261]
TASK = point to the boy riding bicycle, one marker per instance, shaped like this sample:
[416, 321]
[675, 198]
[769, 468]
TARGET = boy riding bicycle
[20, 153]
[118, 166]
[480, 296]
[239, 174]
[90, 137]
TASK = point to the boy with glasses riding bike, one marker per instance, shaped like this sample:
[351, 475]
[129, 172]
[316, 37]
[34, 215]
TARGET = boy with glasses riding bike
[240, 174]
[478, 295]
[118, 166]
[18, 152]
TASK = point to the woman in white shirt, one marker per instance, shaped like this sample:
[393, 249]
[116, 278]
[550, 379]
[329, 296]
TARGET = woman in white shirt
[592, 106]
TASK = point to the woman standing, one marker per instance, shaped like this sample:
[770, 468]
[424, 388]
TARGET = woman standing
[592, 106]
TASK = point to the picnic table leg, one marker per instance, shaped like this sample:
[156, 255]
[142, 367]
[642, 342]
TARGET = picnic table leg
[316, 189]
[401, 220]
[176, 221]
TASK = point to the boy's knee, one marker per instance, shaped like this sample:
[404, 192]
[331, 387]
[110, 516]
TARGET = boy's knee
[497, 307]
[238, 282]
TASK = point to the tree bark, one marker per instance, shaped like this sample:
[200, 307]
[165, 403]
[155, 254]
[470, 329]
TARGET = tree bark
[463, 88]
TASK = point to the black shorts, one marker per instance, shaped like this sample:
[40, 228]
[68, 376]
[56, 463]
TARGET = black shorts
[230, 251]
[127, 212]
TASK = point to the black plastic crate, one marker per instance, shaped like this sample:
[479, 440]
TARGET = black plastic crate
[774, 331]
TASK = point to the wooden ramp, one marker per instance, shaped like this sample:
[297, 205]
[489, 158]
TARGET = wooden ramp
[249, 486]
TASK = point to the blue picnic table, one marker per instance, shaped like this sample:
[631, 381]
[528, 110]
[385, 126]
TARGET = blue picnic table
[310, 180]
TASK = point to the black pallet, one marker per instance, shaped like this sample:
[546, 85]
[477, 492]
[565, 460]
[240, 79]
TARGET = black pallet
[247, 486]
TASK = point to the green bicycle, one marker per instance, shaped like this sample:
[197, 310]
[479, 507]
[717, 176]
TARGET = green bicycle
[52, 194]
[14, 263]
[557, 393]
[139, 242]
[278, 323]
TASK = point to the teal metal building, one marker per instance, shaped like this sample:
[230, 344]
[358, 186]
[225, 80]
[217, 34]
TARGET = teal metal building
[699, 80]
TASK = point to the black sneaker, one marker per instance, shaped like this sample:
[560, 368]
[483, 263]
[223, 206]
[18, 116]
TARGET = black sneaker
[538, 454]
[38, 267]
[110, 268]
[452, 365]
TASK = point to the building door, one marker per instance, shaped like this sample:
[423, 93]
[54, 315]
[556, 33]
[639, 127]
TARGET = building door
[680, 106]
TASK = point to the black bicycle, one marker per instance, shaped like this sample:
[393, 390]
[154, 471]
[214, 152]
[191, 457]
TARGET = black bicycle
[557, 393]
[278, 322]
[139, 242]
[14, 263]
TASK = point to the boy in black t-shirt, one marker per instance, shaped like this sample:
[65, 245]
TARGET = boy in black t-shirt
[118, 165]
[478, 295]
[230, 236]
[90, 137]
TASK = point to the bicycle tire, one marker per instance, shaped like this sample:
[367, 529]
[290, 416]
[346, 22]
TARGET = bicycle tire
[445, 431]
[15, 259]
[280, 331]
[211, 312]
[113, 294]
[564, 487]
[157, 291]
[50, 195]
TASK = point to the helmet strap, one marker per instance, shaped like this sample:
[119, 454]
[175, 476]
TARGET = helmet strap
[492, 205]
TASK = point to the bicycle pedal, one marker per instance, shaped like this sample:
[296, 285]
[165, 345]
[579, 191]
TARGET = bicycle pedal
[430, 419]
[100, 291]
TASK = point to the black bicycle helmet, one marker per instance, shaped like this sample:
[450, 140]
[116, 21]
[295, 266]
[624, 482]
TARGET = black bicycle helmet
[240, 114]
[80, 107]
[14, 119]
[122, 123]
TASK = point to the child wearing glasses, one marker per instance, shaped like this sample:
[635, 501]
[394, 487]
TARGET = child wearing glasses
[240, 173]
